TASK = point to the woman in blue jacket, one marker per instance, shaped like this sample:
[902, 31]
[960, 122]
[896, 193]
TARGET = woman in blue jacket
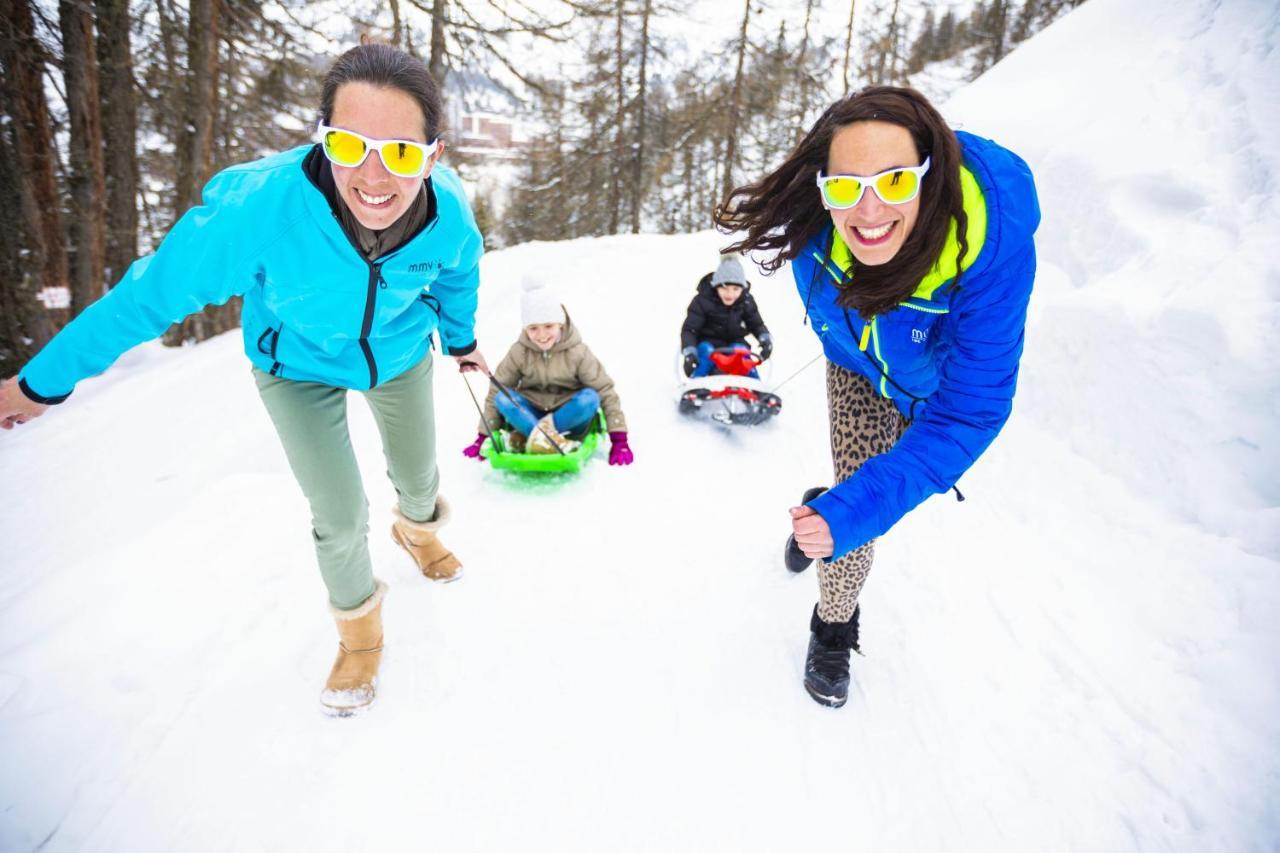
[911, 247]
[352, 255]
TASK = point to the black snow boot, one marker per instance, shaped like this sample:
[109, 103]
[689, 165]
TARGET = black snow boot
[794, 558]
[826, 671]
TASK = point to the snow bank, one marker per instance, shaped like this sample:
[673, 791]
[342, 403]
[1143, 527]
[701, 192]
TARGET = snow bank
[1155, 140]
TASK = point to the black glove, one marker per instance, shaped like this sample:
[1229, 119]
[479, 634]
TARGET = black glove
[766, 346]
[690, 360]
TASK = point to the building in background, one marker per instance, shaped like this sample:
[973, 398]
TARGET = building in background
[483, 118]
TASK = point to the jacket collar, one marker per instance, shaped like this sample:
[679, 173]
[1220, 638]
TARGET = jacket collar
[420, 215]
[839, 258]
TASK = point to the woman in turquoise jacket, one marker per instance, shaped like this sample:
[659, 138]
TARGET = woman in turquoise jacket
[353, 257]
[911, 247]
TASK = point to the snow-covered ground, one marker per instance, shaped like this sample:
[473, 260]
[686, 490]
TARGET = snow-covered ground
[1081, 657]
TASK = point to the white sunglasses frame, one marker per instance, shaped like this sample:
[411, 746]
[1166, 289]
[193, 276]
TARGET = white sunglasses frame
[428, 148]
[870, 181]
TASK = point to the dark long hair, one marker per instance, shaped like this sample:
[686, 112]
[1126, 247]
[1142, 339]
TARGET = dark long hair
[384, 65]
[784, 210]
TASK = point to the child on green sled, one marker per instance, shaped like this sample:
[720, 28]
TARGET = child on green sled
[551, 385]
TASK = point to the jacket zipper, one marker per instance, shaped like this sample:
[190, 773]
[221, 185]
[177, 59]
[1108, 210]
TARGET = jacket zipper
[375, 278]
[871, 335]
[884, 372]
[923, 309]
[371, 298]
[275, 340]
[371, 295]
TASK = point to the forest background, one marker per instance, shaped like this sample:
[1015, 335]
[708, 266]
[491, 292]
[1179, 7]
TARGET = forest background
[113, 114]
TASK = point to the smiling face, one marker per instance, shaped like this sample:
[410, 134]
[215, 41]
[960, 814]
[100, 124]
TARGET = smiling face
[377, 197]
[545, 335]
[729, 293]
[874, 231]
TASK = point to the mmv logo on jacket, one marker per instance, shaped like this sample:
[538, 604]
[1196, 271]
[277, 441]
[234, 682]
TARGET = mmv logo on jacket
[426, 266]
[918, 336]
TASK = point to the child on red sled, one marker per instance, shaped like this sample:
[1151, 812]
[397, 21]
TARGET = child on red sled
[721, 316]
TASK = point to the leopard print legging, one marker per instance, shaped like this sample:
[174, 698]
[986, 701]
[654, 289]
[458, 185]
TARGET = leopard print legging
[863, 424]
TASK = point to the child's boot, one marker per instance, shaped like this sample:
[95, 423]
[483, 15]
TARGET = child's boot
[545, 438]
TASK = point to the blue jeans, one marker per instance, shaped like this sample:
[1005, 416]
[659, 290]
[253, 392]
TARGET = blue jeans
[706, 365]
[573, 415]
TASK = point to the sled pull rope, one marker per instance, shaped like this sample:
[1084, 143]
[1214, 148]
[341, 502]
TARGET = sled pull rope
[493, 435]
[807, 365]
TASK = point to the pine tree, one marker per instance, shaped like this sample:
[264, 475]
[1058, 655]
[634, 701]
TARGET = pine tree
[923, 49]
[120, 136]
[36, 248]
[735, 107]
[944, 38]
[989, 32]
[86, 175]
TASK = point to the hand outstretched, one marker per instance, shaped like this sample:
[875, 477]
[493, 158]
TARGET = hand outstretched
[15, 406]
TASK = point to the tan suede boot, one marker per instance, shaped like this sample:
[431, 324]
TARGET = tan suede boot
[354, 677]
[419, 538]
[545, 438]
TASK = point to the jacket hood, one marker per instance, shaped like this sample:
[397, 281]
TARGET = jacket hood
[1013, 211]
[569, 338]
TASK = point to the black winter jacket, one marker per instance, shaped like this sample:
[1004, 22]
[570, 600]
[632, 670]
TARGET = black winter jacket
[709, 319]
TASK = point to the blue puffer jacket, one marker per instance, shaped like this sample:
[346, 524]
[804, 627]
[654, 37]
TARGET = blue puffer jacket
[947, 357]
[315, 309]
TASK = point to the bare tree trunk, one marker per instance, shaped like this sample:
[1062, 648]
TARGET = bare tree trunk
[885, 50]
[438, 23]
[735, 107]
[195, 144]
[802, 73]
[174, 92]
[120, 135]
[559, 167]
[397, 36]
[637, 181]
[690, 182]
[893, 51]
[1000, 24]
[45, 263]
[24, 324]
[848, 47]
[619, 121]
[80, 75]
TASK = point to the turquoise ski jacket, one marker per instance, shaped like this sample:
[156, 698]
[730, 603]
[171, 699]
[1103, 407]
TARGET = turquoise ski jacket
[947, 356]
[315, 309]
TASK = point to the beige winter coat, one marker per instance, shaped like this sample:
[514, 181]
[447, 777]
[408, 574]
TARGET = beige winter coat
[549, 379]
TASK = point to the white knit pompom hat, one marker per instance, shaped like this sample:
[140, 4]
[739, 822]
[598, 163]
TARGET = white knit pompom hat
[538, 304]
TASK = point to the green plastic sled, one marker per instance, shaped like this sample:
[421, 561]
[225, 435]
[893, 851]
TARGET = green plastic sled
[545, 463]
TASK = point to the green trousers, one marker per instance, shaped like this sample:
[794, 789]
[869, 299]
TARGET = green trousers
[311, 420]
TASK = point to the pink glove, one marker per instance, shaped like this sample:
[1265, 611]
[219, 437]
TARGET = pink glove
[472, 450]
[620, 452]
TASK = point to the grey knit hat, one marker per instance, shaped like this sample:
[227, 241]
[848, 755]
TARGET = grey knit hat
[729, 272]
